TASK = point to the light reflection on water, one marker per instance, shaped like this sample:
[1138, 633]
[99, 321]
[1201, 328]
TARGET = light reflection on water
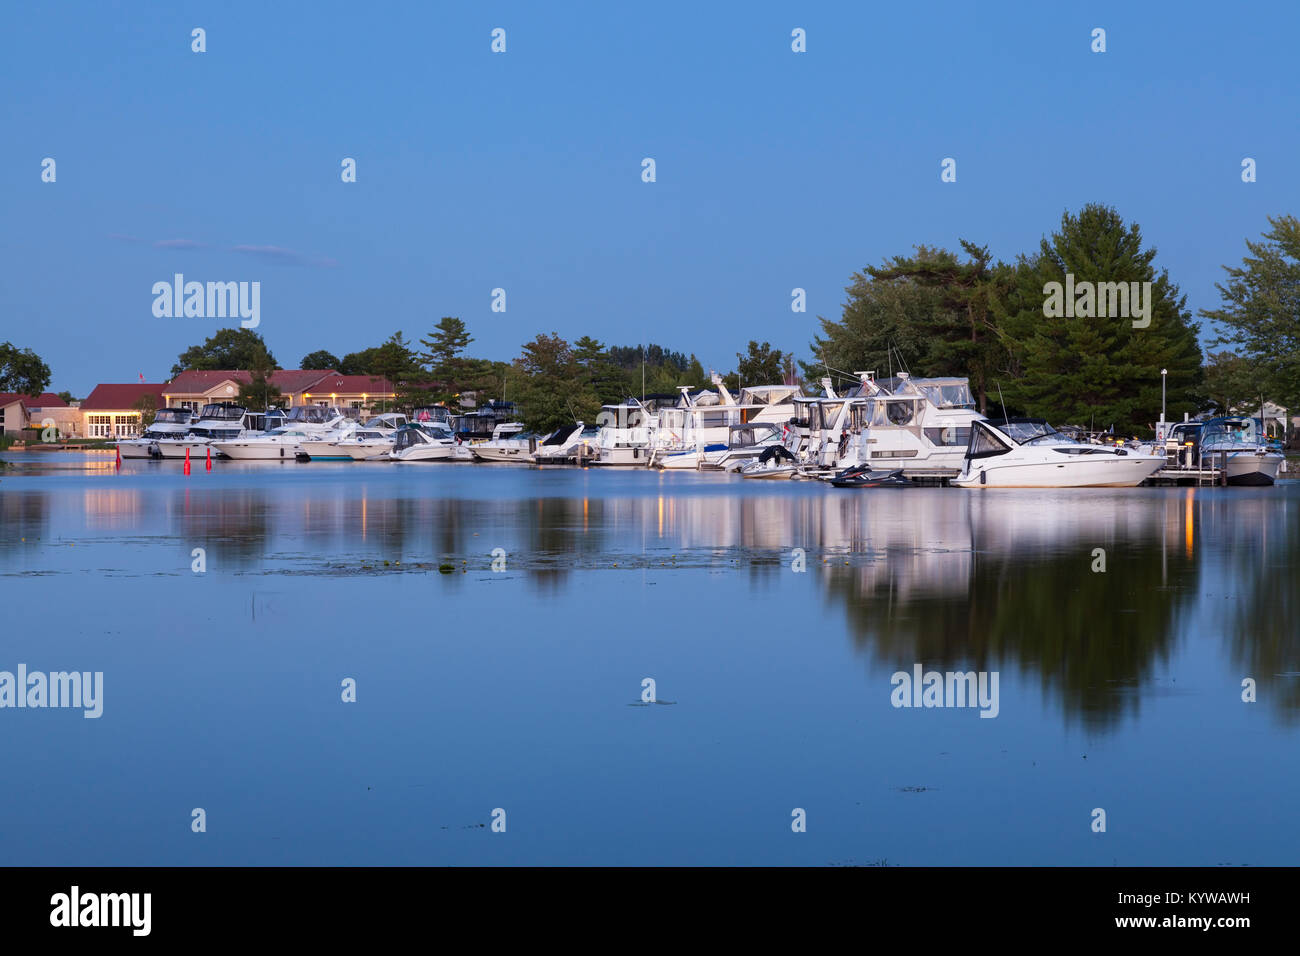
[782, 678]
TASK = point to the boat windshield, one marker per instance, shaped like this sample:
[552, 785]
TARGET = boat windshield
[1033, 433]
[826, 414]
[310, 415]
[947, 394]
[1231, 431]
[222, 413]
[172, 416]
[746, 436]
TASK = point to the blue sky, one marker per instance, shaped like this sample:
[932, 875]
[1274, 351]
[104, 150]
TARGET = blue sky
[522, 170]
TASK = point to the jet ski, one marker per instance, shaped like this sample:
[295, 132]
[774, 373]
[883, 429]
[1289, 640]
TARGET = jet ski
[861, 476]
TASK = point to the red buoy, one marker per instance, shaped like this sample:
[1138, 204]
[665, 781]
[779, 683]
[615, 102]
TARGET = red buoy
[187, 459]
[119, 457]
[209, 465]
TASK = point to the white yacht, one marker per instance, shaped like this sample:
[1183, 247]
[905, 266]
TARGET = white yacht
[168, 423]
[509, 442]
[628, 432]
[364, 444]
[744, 443]
[775, 461]
[386, 424]
[1029, 453]
[918, 425]
[216, 421]
[822, 425]
[1238, 443]
[354, 442]
[303, 423]
[565, 444]
[424, 440]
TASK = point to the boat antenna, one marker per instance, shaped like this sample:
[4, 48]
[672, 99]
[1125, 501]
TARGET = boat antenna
[1002, 402]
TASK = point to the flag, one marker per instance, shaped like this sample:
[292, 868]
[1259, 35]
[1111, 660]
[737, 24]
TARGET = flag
[142, 378]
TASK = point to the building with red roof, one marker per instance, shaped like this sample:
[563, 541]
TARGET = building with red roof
[195, 388]
[17, 411]
[110, 411]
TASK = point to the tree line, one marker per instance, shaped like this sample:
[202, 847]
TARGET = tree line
[933, 312]
[937, 313]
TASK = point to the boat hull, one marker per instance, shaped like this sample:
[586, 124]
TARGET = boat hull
[135, 449]
[489, 453]
[176, 449]
[1127, 471]
[1253, 469]
[260, 451]
[421, 453]
[625, 457]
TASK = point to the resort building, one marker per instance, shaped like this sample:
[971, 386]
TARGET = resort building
[195, 388]
[19, 411]
[366, 393]
[113, 411]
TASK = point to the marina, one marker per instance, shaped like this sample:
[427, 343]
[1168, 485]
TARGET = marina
[879, 433]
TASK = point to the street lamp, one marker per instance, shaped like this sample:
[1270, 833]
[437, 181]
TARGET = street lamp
[1164, 375]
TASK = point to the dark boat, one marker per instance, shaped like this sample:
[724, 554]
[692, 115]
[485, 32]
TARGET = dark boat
[862, 476]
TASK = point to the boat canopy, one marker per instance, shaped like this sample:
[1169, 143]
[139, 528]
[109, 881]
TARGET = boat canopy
[1234, 430]
[940, 392]
[311, 415]
[561, 435]
[222, 412]
[769, 394]
[172, 416]
[747, 436]
[431, 413]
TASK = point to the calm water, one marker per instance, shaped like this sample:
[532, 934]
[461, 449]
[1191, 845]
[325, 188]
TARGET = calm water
[522, 689]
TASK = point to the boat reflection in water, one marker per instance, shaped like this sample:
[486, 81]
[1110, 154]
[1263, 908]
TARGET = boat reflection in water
[1087, 593]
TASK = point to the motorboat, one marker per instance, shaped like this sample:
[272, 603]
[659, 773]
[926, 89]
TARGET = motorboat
[861, 476]
[567, 443]
[278, 444]
[627, 432]
[356, 443]
[364, 444]
[1238, 444]
[775, 461]
[303, 423]
[509, 442]
[744, 444]
[217, 421]
[693, 458]
[480, 424]
[424, 440]
[919, 425]
[386, 424]
[168, 423]
[1030, 453]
